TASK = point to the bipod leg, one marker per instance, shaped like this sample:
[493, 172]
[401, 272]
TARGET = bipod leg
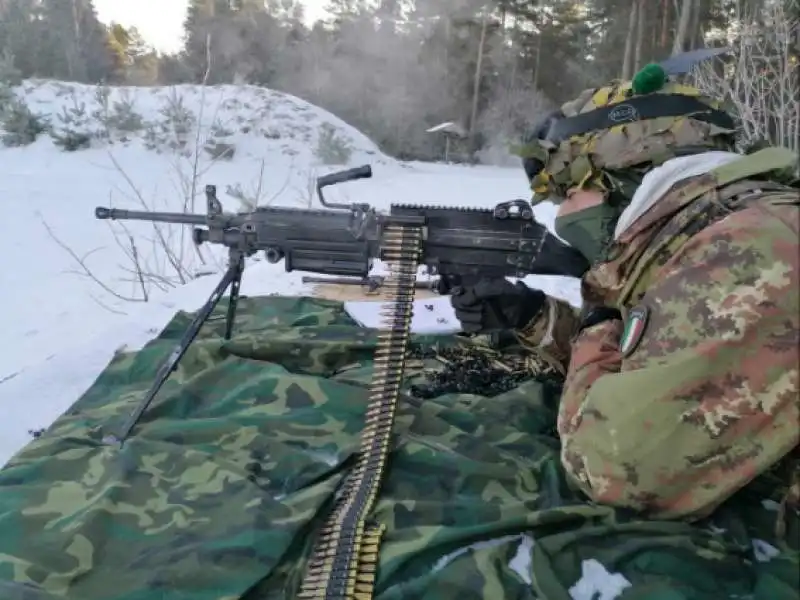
[234, 298]
[169, 365]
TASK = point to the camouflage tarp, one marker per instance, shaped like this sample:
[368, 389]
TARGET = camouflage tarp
[218, 493]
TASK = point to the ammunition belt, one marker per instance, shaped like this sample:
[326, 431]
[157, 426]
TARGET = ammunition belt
[344, 559]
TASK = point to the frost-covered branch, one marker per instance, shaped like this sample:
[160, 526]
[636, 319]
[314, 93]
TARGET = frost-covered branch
[761, 80]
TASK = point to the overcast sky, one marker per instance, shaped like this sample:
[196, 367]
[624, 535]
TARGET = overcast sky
[161, 21]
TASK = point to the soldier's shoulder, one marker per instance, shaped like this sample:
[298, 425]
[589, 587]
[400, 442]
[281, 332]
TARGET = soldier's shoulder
[775, 164]
[760, 223]
[757, 244]
[767, 180]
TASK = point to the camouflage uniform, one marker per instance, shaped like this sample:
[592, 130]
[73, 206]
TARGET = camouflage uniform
[705, 395]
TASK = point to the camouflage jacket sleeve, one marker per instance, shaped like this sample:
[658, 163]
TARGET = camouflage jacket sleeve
[551, 331]
[708, 398]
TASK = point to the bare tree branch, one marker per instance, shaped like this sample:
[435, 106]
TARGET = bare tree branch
[762, 82]
[81, 262]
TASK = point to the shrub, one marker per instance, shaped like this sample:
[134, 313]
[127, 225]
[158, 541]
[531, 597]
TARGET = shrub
[178, 123]
[118, 117]
[20, 126]
[74, 128]
[332, 149]
[9, 74]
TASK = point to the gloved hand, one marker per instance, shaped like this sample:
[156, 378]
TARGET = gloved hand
[496, 304]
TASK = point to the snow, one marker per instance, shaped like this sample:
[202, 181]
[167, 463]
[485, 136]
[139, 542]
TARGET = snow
[764, 551]
[522, 560]
[61, 327]
[431, 315]
[487, 545]
[596, 583]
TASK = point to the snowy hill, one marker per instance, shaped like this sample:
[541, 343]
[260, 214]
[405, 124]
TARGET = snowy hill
[75, 287]
[257, 122]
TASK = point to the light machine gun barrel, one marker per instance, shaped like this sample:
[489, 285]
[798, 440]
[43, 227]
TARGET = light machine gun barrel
[144, 215]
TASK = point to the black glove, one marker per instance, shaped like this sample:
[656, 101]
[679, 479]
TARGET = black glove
[496, 304]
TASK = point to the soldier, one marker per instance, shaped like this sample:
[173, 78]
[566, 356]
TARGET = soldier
[682, 380]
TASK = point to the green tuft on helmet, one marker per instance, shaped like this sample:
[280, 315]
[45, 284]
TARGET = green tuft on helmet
[650, 79]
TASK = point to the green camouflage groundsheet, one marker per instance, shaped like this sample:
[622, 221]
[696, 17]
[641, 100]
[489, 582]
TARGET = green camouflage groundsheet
[218, 493]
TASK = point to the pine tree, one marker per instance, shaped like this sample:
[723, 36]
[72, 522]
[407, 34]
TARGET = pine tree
[20, 34]
[208, 35]
[75, 44]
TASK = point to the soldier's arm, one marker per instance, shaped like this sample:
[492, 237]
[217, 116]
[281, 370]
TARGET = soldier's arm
[551, 330]
[708, 399]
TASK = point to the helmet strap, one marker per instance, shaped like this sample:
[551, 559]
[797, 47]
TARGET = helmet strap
[622, 185]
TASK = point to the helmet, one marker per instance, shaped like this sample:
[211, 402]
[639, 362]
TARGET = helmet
[624, 127]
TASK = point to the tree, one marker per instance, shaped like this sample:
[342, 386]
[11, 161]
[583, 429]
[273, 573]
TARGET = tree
[392, 68]
[118, 41]
[226, 42]
[682, 33]
[761, 81]
[20, 34]
[72, 43]
[135, 61]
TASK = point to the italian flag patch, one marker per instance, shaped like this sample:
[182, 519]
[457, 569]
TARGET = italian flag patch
[634, 329]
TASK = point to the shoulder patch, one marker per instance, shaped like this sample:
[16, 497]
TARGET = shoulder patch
[634, 329]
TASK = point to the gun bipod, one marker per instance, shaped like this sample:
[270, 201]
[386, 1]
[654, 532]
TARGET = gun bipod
[344, 560]
[232, 278]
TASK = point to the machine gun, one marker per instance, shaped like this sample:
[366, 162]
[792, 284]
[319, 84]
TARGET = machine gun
[460, 245]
